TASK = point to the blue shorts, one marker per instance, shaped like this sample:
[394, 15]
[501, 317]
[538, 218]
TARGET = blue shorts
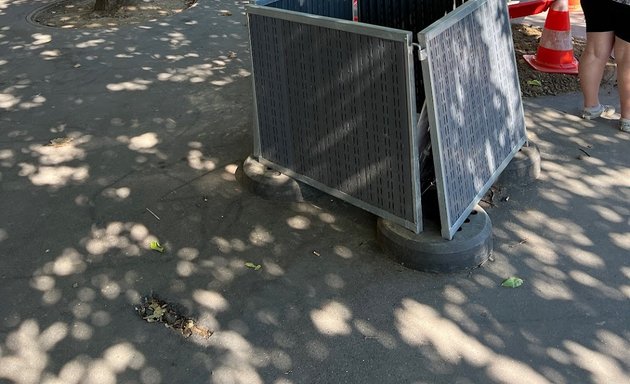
[607, 16]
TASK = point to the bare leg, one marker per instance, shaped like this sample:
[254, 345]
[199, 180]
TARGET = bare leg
[599, 45]
[622, 57]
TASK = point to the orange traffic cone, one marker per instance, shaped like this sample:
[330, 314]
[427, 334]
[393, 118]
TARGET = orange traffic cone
[555, 50]
[575, 6]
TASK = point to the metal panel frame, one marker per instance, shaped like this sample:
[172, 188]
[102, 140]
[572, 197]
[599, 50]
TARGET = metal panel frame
[332, 23]
[450, 227]
[385, 33]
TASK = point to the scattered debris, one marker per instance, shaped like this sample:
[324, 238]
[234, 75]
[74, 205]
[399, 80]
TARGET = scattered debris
[317, 253]
[231, 55]
[535, 83]
[488, 202]
[154, 310]
[519, 243]
[75, 14]
[75, 285]
[506, 198]
[154, 245]
[586, 153]
[253, 266]
[512, 282]
[60, 141]
[225, 12]
[153, 213]
[205, 198]
[473, 269]
[493, 194]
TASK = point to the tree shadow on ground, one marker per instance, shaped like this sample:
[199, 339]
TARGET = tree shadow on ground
[165, 132]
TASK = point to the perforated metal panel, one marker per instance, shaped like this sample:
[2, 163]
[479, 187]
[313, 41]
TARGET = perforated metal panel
[475, 107]
[410, 15]
[336, 109]
[340, 9]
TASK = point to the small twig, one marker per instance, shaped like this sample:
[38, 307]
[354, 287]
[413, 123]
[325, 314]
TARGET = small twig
[151, 212]
[586, 153]
[490, 258]
[489, 202]
[519, 243]
[427, 188]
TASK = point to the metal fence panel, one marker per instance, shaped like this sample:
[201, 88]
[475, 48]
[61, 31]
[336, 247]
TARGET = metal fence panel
[336, 109]
[410, 15]
[475, 106]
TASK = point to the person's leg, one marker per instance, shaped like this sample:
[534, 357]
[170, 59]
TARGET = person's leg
[600, 37]
[593, 61]
[622, 57]
[621, 15]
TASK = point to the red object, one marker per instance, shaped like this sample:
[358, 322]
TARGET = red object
[355, 10]
[555, 50]
[528, 8]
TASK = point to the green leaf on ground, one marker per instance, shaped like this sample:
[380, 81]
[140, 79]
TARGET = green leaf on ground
[253, 266]
[156, 246]
[512, 282]
[536, 83]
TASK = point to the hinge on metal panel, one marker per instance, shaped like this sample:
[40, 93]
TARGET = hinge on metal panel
[422, 53]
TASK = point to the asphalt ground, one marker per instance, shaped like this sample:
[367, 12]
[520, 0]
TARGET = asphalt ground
[160, 117]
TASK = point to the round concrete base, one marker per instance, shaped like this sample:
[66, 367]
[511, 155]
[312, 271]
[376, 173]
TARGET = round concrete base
[524, 167]
[429, 252]
[271, 184]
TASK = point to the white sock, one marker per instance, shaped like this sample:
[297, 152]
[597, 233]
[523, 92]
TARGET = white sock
[594, 109]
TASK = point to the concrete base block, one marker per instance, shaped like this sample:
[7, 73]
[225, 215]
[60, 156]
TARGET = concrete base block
[271, 184]
[429, 252]
[524, 167]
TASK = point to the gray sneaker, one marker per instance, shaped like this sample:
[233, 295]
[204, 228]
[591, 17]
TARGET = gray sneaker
[595, 112]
